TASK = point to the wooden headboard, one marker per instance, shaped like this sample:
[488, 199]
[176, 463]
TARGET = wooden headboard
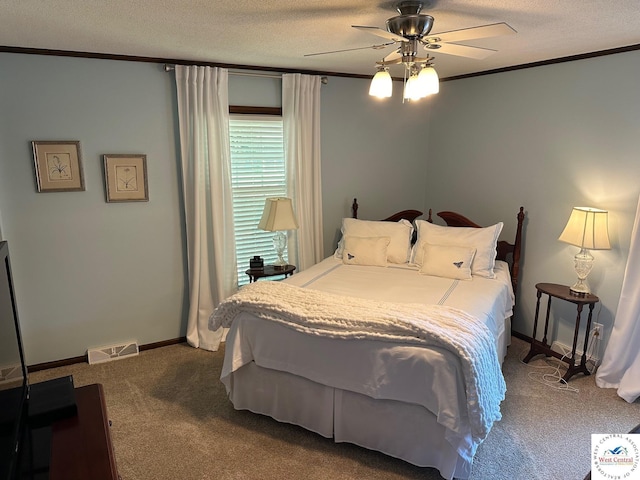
[504, 249]
[409, 215]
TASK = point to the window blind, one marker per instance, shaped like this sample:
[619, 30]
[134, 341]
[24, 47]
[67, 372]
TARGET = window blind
[257, 172]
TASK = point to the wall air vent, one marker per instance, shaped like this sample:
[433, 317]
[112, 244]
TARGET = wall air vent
[11, 373]
[112, 352]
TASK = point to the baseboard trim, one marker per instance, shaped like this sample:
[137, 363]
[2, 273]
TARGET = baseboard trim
[57, 363]
[83, 358]
[521, 336]
[527, 339]
[163, 343]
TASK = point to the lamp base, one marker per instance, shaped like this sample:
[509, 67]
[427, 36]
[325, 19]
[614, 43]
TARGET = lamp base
[580, 289]
[583, 262]
[280, 243]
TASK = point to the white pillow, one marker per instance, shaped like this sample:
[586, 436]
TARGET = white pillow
[484, 240]
[365, 251]
[399, 233]
[447, 261]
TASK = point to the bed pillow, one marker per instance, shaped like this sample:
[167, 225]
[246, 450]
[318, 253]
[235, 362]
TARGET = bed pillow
[399, 233]
[484, 240]
[447, 261]
[365, 251]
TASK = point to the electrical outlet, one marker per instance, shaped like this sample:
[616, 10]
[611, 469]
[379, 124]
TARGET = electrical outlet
[597, 330]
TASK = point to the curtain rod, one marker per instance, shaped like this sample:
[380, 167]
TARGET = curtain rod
[324, 80]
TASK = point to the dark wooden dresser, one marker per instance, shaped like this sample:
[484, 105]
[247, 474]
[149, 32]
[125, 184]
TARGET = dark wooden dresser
[81, 445]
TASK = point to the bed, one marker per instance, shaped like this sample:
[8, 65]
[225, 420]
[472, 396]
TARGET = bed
[401, 357]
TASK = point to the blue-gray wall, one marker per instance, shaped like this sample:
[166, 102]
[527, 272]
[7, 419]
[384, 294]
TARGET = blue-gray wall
[546, 138]
[371, 150]
[89, 273]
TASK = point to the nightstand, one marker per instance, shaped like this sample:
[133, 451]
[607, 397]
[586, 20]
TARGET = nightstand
[562, 292]
[269, 271]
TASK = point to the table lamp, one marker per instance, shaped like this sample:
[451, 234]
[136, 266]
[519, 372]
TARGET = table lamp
[587, 229]
[278, 217]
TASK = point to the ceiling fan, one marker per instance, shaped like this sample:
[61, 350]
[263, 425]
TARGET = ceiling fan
[411, 31]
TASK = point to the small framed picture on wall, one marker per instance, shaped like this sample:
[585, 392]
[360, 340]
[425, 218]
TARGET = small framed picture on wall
[58, 166]
[125, 178]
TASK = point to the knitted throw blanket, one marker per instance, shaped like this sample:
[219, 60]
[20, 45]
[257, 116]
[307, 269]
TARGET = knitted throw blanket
[335, 316]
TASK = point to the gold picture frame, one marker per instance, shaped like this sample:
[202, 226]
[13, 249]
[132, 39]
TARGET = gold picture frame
[58, 166]
[125, 177]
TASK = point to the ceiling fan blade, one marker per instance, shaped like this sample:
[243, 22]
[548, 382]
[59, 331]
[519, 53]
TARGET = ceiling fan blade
[381, 33]
[374, 47]
[473, 33]
[393, 61]
[460, 50]
[392, 56]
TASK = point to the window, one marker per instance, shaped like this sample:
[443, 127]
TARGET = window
[257, 172]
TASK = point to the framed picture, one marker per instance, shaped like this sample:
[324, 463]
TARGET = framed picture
[125, 178]
[58, 166]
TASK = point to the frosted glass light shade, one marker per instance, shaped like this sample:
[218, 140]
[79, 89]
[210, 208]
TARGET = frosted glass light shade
[412, 88]
[381, 85]
[418, 84]
[429, 81]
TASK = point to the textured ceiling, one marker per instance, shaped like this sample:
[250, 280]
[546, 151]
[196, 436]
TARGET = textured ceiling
[278, 33]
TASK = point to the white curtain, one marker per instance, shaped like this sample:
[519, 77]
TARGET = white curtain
[301, 125]
[203, 114]
[621, 361]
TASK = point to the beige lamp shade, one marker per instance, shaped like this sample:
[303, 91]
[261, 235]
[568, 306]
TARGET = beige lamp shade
[587, 228]
[278, 215]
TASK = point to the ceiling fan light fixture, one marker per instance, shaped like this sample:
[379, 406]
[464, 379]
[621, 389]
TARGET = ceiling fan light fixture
[412, 90]
[381, 84]
[410, 29]
[420, 83]
[428, 80]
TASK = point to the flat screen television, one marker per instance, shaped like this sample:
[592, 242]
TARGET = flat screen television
[13, 373]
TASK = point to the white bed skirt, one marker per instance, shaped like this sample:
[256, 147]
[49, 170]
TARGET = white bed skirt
[406, 429]
[402, 430]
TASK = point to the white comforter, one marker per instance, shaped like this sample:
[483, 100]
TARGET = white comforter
[431, 377]
[489, 300]
[335, 316]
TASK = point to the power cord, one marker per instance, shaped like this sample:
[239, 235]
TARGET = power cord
[552, 379]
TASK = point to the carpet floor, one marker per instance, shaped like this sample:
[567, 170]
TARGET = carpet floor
[172, 420]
